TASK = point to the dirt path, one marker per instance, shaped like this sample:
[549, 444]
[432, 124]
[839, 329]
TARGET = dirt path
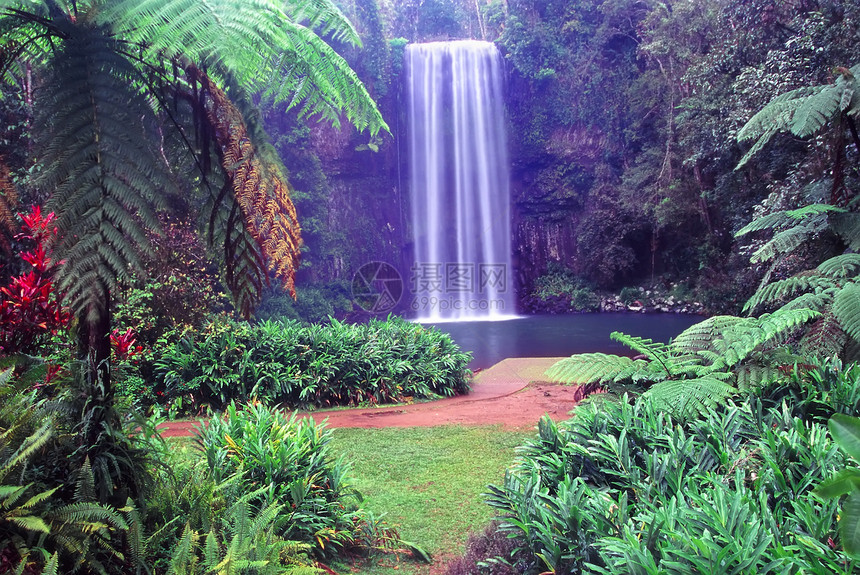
[513, 393]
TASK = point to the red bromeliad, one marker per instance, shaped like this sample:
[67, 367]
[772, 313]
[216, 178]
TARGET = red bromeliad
[123, 344]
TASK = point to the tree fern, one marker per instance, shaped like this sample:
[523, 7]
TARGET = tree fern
[825, 338]
[264, 44]
[816, 110]
[687, 398]
[803, 112]
[112, 68]
[699, 368]
[846, 308]
[787, 240]
[97, 162]
[595, 369]
[8, 200]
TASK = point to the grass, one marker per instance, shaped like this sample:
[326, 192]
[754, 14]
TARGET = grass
[428, 482]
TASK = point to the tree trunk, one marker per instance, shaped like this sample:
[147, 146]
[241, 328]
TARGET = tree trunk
[94, 350]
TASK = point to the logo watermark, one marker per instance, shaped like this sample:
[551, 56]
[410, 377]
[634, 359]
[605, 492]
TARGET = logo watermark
[377, 287]
[436, 288]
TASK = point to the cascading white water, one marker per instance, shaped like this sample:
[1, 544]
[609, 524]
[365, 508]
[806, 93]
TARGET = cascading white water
[460, 182]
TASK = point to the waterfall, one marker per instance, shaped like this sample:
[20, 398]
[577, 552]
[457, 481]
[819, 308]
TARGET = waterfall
[460, 182]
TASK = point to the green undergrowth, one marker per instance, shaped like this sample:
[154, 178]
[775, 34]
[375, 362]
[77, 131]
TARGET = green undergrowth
[428, 482]
[303, 366]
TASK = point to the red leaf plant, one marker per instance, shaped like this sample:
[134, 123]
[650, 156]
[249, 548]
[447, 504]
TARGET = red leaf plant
[31, 311]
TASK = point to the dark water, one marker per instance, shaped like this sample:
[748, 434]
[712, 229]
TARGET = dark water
[559, 335]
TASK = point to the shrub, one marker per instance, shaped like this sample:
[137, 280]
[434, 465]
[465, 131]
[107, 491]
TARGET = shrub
[622, 488]
[286, 462]
[313, 365]
[31, 310]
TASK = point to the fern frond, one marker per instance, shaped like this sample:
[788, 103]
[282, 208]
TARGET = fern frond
[766, 222]
[260, 192]
[786, 241]
[776, 115]
[841, 266]
[27, 449]
[8, 201]
[595, 368]
[816, 110]
[814, 210]
[52, 566]
[753, 375]
[183, 557]
[776, 291]
[689, 398]
[847, 226]
[88, 516]
[95, 159]
[785, 218]
[699, 337]
[659, 354]
[846, 308]
[825, 337]
[271, 47]
[85, 484]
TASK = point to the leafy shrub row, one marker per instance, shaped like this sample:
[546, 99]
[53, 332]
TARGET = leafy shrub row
[298, 365]
[622, 488]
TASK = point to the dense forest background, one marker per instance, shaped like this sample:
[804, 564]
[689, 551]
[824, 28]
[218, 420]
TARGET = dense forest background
[623, 120]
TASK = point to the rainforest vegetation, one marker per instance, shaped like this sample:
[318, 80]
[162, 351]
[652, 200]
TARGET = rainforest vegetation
[187, 188]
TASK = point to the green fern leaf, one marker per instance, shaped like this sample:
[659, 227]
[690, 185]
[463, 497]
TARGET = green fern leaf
[753, 375]
[786, 241]
[657, 352]
[776, 115]
[52, 566]
[30, 523]
[841, 266]
[595, 368]
[774, 292]
[689, 398]
[816, 110]
[847, 226]
[766, 222]
[96, 159]
[825, 338]
[846, 308]
[814, 210]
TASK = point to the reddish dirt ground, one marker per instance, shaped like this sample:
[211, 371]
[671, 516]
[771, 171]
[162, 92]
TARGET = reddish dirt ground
[513, 393]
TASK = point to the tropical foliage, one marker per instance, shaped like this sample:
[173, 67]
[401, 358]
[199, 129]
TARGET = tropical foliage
[133, 95]
[624, 488]
[286, 463]
[293, 364]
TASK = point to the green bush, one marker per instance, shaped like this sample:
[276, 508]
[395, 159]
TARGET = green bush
[287, 462]
[622, 488]
[313, 365]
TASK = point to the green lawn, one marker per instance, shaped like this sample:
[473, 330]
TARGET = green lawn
[428, 481]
